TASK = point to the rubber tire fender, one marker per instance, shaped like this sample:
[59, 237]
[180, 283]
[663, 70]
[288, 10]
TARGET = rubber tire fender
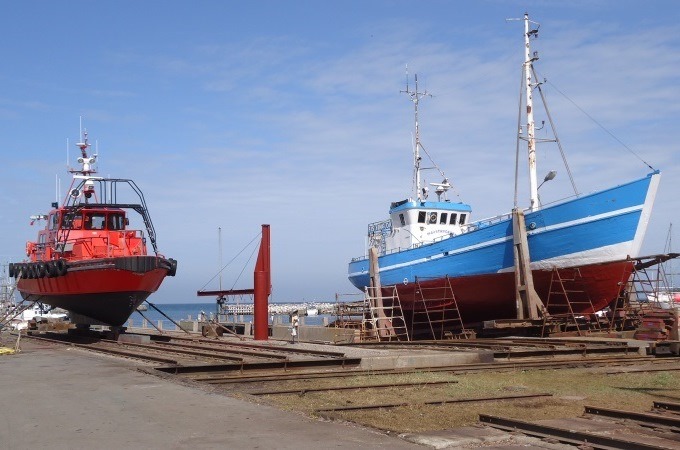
[60, 264]
[10, 270]
[17, 270]
[173, 267]
[51, 269]
[40, 269]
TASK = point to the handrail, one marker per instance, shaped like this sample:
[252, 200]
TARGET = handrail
[468, 228]
[87, 241]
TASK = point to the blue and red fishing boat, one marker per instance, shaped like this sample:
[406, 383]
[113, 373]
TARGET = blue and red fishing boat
[425, 245]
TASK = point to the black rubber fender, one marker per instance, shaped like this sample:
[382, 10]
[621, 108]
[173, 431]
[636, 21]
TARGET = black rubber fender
[51, 269]
[10, 270]
[19, 269]
[61, 267]
[173, 267]
[40, 269]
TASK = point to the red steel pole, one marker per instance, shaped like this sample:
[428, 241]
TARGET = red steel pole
[263, 288]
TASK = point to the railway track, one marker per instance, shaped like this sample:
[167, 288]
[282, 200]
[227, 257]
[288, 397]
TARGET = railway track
[326, 411]
[514, 348]
[603, 428]
[178, 353]
[223, 362]
[197, 374]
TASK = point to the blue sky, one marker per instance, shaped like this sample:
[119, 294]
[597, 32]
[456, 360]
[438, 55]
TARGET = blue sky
[234, 114]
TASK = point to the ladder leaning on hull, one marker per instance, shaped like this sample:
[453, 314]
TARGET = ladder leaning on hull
[383, 318]
[566, 294]
[436, 309]
[384, 312]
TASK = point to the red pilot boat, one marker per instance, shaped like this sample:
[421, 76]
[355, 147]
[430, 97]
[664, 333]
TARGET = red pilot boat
[88, 259]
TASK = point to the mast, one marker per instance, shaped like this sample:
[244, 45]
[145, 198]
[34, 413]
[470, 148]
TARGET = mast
[87, 166]
[531, 139]
[418, 190]
[219, 244]
[86, 162]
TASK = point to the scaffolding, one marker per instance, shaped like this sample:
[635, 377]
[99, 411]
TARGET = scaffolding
[645, 293]
[650, 282]
[646, 302]
[349, 314]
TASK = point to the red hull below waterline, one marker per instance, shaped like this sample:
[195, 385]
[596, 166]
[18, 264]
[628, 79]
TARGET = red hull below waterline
[492, 297]
[107, 290]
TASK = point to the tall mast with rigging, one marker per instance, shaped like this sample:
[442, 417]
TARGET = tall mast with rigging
[531, 127]
[418, 190]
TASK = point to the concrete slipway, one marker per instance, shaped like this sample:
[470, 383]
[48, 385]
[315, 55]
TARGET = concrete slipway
[62, 398]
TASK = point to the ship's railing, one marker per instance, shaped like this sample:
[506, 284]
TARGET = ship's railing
[108, 195]
[472, 226]
[123, 248]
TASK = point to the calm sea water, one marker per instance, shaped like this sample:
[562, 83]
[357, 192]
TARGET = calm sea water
[182, 311]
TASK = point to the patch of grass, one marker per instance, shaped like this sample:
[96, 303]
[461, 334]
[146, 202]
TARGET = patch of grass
[571, 390]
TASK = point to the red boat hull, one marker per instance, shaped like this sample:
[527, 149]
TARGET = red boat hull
[488, 297]
[107, 290]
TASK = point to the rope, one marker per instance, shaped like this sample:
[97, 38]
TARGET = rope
[232, 260]
[601, 126]
[435, 166]
[244, 267]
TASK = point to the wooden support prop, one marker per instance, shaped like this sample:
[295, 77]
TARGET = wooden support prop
[383, 323]
[529, 304]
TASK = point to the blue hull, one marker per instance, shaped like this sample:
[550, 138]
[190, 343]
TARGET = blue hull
[594, 229]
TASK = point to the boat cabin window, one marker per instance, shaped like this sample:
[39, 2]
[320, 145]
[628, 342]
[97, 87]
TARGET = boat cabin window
[454, 216]
[433, 217]
[53, 222]
[72, 222]
[443, 217]
[462, 219]
[402, 220]
[95, 221]
[421, 216]
[116, 221]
